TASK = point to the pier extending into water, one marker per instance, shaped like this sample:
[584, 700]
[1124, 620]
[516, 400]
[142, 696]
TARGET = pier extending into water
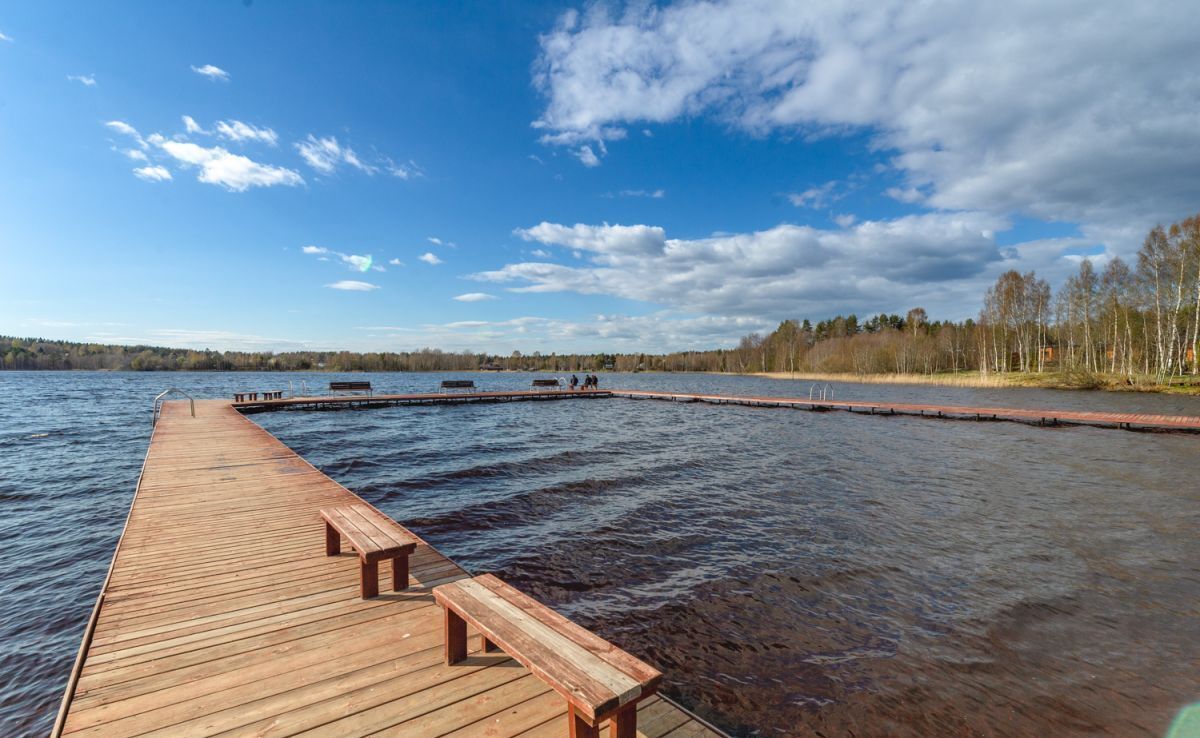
[1031, 416]
[222, 615]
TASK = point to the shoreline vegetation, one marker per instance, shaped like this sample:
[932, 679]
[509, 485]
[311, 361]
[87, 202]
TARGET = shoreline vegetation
[1132, 328]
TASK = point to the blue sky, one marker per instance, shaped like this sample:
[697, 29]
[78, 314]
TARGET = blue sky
[571, 178]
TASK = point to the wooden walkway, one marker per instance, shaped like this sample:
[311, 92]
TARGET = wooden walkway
[432, 398]
[1127, 421]
[221, 615]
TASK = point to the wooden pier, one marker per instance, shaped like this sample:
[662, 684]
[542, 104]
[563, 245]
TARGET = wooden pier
[329, 402]
[222, 615]
[1033, 416]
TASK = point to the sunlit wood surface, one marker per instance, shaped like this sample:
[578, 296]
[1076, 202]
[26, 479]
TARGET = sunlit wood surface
[222, 615]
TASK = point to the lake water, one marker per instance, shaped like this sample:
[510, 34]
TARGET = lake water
[793, 573]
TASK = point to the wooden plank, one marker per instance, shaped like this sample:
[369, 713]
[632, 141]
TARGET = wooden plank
[222, 613]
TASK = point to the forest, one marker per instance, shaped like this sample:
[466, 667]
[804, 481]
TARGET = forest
[1139, 322]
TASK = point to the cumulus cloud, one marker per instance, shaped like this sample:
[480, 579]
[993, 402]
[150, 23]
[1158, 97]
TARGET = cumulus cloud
[942, 261]
[235, 130]
[234, 172]
[396, 262]
[212, 72]
[430, 258]
[1074, 111]
[815, 197]
[315, 250]
[475, 297]
[351, 285]
[152, 173]
[87, 80]
[4, 37]
[659, 331]
[191, 126]
[125, 129]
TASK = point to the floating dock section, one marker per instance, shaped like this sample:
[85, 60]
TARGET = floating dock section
[222, 615]
[1033, 416]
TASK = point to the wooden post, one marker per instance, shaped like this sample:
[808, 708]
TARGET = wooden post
[456, 637]
[370, 578]
[624, 723]
[400, 573]
[579, 726]
[485, 645]
[333, 540]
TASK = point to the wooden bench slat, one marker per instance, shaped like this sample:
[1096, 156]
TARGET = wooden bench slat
[595, 685]
[384, 532]
[367, 537]
[585, 638]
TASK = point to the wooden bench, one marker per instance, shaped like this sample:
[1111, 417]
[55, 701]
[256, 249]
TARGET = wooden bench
[350, 387]
[598, 680]
[375, 537]
[245, 396]
[462, 384]
[544, 383]
[273, 395]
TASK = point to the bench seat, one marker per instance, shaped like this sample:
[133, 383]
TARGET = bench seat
[598, 680]
[375, 537]
[464, 384]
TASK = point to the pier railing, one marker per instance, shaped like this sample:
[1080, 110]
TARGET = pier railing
[159, 400]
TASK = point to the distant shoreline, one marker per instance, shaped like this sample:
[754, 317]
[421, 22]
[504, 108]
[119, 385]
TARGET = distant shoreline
[1046, 380]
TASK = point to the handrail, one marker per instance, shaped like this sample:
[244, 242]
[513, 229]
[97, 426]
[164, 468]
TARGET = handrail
[158, 402]
[826, 390]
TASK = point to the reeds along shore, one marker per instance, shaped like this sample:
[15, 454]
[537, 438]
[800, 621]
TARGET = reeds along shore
[1055, 380]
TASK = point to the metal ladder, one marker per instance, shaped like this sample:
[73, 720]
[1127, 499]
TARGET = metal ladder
[159, 400]
[826, 389]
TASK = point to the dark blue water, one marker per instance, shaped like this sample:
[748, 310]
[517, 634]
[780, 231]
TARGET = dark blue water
[793, 573]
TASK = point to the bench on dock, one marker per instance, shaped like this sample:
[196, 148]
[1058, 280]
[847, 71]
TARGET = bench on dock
[273, 395]
[598, 680]
[375, 537]
[245, 396]
[545, 384]
[350, 387]
[462, 384]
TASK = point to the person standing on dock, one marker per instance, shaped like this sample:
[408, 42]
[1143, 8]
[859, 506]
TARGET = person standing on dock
[595, 382]
[574, 382]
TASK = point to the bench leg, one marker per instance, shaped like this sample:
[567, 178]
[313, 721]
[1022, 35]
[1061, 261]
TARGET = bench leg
[624, 723]
[579, 727]
[456, 637]
[400, 573]
[485, 645]
[370, 578]
[333, 541]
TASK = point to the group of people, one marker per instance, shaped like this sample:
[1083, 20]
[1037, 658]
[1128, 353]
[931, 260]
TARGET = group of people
[590, 381]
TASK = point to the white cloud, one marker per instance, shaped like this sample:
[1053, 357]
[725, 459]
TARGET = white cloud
[5, 38]
[191, 126]
[434, 240]
[135, 154]
[430, 258]
[1075, 111]
[212, 72]
[541, 254]
[314, 250]
[234, 172]
[396, 262]
[815, 197]
[87, 80]
[351, 285]
[845, 221]
[653, 194]
[942, 261]
[475, 297]
[356, 262]
[325, 154]
[405, 170]
[587, 156]
[235, 130]
[124, 128]
[152, 173]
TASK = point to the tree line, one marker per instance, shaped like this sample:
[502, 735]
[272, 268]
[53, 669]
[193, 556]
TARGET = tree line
[1135, 321]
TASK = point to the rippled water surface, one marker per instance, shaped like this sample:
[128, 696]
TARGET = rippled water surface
[793, 573]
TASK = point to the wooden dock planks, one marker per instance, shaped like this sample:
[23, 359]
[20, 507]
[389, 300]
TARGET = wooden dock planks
[222, 615]
[1132, 421]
